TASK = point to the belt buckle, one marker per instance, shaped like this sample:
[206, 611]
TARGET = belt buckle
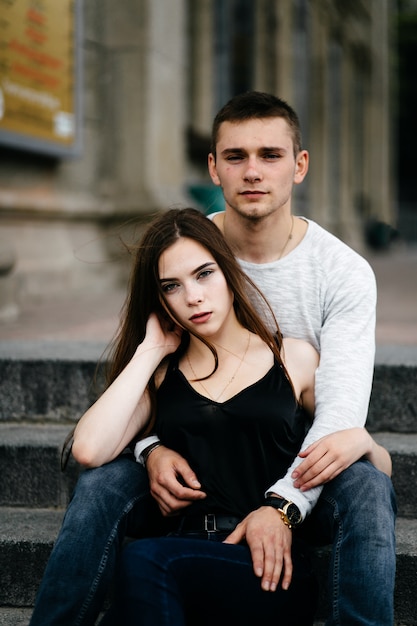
[210, 523]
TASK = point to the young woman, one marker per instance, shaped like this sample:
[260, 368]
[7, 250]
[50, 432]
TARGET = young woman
[195, 363]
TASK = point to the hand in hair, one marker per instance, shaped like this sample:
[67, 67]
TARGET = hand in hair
[162, 333]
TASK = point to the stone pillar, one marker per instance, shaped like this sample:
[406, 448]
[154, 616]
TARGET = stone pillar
[284, 51]
[9, 309]
[378, 140]
[200, 66]
[143, 163]
[318, 176]
[164, 100]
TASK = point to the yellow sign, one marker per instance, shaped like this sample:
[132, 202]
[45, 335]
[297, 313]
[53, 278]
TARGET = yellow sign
[38, 95]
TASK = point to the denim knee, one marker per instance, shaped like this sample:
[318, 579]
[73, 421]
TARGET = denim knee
[109, 487]
[362, 482]
[363, 496]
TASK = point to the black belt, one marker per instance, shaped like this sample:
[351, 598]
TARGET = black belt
[209, 523]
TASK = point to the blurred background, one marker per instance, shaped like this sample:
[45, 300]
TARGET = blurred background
[106, 110]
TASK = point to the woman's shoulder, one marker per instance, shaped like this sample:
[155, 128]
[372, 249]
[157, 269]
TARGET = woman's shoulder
[298, 352]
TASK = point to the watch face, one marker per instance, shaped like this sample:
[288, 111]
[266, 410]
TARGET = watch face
[293, 514]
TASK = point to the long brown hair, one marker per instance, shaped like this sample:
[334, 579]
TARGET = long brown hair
[145, 295]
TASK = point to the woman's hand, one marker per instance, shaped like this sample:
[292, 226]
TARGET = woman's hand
[269, 541]
[161, 334]
[329, 456]
[123, 409]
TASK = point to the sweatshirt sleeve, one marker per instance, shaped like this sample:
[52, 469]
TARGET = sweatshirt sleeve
[347, 350]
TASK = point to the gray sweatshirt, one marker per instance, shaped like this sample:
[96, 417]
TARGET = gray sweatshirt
[325, 293]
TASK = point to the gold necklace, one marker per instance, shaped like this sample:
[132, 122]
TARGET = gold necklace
[288, 238]
[229, 382]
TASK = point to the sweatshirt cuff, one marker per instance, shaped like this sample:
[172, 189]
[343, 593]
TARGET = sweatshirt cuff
[305, 500]
[142, 445]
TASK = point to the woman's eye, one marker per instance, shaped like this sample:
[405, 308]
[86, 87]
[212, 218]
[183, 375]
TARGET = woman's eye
[205, 273]
[169, 287]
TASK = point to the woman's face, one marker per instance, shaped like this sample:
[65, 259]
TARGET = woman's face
[195, 288]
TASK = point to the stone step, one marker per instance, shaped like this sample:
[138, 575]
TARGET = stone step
[21, 617]
[31, 475]
[48, 389]
[403, 449]
[393, 404]
[14, 617]
[27, 535]
[26, 539]
[62, 389]
[30, 466]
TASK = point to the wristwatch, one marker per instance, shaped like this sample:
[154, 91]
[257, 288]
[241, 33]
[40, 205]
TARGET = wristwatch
[290, 513]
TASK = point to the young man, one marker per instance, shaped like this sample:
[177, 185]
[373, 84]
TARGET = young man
[321, 291]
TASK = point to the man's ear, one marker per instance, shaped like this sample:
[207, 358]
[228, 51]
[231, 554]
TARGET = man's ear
[213, 170]
[301, 166]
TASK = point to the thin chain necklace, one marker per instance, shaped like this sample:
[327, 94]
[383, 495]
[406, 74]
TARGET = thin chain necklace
[229, 382]
[288, 238]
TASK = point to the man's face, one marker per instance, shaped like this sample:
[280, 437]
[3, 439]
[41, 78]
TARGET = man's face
[256, 167]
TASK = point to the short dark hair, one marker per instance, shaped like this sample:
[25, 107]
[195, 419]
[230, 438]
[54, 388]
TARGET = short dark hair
[256, 105]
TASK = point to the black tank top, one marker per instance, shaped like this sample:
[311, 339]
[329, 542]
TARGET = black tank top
[237, 448]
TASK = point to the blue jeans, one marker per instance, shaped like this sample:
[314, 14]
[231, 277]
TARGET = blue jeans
[109, 503]
[355, 513]
[174, 581]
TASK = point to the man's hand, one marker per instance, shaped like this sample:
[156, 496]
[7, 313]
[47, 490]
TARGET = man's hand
[173, 483]
[269, 541]
[329, 456]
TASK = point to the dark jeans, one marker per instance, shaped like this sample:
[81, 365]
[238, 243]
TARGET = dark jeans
[355, 513]
[199, 581]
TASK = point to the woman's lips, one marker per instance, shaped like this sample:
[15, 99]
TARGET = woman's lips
[200, 318]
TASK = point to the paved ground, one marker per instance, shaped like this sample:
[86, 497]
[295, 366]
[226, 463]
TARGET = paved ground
[83, 326]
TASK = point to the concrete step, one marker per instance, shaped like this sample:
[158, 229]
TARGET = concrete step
[30, 466]
[26, 538]
[14, 617]
[31, 475]
[21, 617]
[403, 449]
[393, 405]
[58, 390]
[62, 389]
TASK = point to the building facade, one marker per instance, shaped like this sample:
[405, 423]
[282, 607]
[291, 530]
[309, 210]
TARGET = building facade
[154, 73]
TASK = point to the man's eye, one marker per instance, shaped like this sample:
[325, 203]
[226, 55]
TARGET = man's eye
[234, 157]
